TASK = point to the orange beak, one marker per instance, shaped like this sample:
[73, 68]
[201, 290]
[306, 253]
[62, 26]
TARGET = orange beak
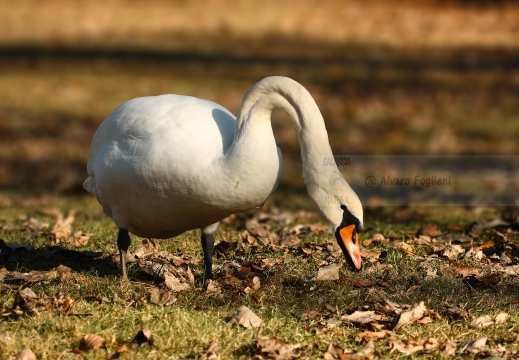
[350, 245]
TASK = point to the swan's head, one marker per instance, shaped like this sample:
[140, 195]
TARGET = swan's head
[342, 208]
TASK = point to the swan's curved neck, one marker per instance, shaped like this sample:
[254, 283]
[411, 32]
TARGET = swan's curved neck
[254, 131]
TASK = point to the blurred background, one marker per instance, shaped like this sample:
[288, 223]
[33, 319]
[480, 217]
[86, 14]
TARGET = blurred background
[390, 77]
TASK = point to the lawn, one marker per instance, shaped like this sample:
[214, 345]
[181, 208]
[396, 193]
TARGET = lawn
[421, 85]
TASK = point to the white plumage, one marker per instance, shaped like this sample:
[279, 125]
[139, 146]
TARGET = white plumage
[162, 165]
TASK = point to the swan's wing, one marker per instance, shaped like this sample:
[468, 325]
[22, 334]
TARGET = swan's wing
[158, 144]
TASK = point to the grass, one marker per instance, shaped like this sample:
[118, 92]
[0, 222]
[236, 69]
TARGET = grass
[183, 329]
[442, 79]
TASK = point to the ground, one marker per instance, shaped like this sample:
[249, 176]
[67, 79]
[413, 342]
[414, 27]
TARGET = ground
[421, 85]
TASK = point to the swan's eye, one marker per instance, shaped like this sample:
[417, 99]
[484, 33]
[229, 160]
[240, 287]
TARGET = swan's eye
[343, 207]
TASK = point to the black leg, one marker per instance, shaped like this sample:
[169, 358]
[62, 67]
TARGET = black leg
[208, 247]
[123, 242]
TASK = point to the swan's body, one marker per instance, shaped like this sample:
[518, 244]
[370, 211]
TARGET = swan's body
[163, 165]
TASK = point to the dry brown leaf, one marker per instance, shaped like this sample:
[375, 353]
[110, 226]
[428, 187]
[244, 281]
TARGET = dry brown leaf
[176, 283]
[143, 337]
[453, 252]
[161, 297]
[502, 317]
[91, 342]
[430, 273]
[485, 282]
[475, 346]
[80, 239]
[456, 271]
[411, 346]
[310, 314]
[416, 313]
[474, 255]
[454, 311]
[367, 351]
[246, 318]
[364, 317]
[277, 349]
[210, 351]
[255, 286]
[330, 272]
[67, 305]
[373, 335]
[430, 230]
[6, 338]
[483, 321]
[26, 354]
[117, 355]
[214, 289]
[335, 352]
[146, 248]
[62, 229]
[409, 249]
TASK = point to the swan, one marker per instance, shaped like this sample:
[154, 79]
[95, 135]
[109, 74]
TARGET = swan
[162, 165]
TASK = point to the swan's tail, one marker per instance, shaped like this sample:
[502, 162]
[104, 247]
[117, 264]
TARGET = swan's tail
[90, 185]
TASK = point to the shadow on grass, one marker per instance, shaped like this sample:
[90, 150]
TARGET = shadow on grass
[25, 260]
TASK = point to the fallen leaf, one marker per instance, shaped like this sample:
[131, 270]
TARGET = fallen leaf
[67, 305]
[146, 248]
[246, 318]
[409, 249]
[330, 272]
[310, 314]
[411, 346]
[372, 335]
[475, 346]
[417, 312]
[367, 351]
[456, 270]
[454, 311]
[430, 230]
[26, 354]
[255, 286]
[176, 283]
[364, 317]
[117, 355]
[474, 255]
[277, 349]
[143, 337]
[6, 338]
[502, 317]
[91, 342]
[62, 229]
[485, 282]
[331, 322]
[452, 252]
[80, 239]
[161, 297]
[455, 263]
[210, 350]
[483, 321]
[214, 289]
[335, 352]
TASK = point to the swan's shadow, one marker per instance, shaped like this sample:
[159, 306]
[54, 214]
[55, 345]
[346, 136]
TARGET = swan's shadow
[27, 260]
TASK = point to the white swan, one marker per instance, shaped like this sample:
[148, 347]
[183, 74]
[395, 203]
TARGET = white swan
[162, 165]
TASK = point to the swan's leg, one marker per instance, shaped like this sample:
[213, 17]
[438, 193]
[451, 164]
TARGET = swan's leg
[208, 247]
[123, 242]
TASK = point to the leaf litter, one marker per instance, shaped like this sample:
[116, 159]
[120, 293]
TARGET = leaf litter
[481, 266]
